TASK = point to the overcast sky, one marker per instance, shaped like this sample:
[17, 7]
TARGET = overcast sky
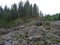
[46, 6]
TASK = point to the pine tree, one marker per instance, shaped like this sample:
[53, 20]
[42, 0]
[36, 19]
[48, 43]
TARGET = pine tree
[14, 13]
[6, 13]
[35, 10]
[27, 9]
[31, 10]
[20, 9]
[1, 12]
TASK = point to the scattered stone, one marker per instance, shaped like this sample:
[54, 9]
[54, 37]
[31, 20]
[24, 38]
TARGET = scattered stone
[31, 35]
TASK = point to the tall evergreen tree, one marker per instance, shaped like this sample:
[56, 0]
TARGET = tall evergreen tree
[41, 14]
[20, 9]
[27, 9]
[6, 13]
[14, 11]
[1, 12]
[59, 16]
[31, 10]
[35, 10]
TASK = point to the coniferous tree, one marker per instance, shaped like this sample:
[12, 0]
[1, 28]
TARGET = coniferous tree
[27, 9]
[20, 9]
[6, 13]
[59, 16]
[35, 10]
[14, 11]
[31, 10]
[1, 12]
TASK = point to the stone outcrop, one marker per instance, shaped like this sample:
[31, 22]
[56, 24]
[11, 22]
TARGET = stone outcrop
[32, 35]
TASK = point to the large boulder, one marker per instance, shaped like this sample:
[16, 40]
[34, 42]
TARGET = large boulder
[38, 23]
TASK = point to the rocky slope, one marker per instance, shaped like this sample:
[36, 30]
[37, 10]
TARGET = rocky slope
[36, 33]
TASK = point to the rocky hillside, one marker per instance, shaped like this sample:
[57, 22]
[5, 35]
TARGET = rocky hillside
[32, 33]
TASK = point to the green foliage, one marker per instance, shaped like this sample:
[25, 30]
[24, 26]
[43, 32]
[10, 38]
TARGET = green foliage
[20, 9]
[52, 17]
[27, 9]
[35, 10]
[24, 12]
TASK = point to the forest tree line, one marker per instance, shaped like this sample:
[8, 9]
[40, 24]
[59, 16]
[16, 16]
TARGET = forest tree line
[53, 17]
[23, 11]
